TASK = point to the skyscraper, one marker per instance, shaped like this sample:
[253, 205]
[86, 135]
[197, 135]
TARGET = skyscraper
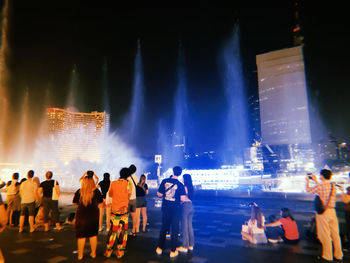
[283, 100]
[75, 134]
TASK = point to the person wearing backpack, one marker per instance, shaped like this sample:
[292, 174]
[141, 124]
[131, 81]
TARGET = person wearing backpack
[327, 225]
[173, 193]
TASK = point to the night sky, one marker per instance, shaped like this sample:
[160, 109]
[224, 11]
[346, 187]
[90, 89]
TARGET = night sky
[47, 40]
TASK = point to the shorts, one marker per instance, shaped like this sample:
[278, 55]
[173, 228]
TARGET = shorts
[141, 201]
[132, 205]
[30, 207]
[14, 202]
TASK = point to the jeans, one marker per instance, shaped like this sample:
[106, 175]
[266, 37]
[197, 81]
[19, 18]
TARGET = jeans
[170, 223]
[186, 225]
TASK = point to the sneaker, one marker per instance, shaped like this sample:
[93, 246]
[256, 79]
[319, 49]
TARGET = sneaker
[159, 251]
[182, 249]
[174, 254]
[190, 248]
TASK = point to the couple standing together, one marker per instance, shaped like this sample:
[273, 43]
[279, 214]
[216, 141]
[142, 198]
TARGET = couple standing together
[176, 207]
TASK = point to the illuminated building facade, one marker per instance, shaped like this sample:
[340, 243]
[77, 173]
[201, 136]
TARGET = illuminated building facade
[61, 120]
[76, 135]
[283, 100]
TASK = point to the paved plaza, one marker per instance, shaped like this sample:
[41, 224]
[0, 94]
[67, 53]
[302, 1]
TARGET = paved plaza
[217, 225]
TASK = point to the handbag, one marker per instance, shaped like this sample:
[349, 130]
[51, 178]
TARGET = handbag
[55, 195]
[319, 205]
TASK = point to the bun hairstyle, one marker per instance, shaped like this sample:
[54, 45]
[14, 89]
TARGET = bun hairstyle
[89, 174]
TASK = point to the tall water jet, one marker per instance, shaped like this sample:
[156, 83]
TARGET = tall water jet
[4, 77]
[180, 112]
[235, 129]
[105, 85]
[73, 89]
[132, 124]
[20, 146]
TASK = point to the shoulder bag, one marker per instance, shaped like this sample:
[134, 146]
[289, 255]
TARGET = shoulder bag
[319, 205]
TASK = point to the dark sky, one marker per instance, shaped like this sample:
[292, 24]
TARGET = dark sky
[47, 40]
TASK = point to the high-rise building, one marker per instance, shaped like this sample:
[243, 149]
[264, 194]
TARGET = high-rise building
[283, 99]
[61, 120]
[75, 134]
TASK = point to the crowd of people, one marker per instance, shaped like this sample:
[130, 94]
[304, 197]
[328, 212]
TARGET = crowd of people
[116, 199]
[125, 198]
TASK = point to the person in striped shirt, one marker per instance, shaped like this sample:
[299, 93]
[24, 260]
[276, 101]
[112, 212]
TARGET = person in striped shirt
[327, 225]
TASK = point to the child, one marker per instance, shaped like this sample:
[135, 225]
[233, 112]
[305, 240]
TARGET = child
[274, 234]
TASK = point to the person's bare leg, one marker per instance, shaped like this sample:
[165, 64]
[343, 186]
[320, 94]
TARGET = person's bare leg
[108, 217]
[2, 259]
[134, 219]
[93, 246]
[138, 219]
[21, 223]
[144, 218]
[100, 222]
[81, 245]
[31, 223]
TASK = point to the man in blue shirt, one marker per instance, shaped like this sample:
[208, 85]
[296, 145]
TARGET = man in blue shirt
[173, 192]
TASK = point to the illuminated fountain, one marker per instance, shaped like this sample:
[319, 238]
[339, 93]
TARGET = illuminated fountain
[236, 125]
[64, 141]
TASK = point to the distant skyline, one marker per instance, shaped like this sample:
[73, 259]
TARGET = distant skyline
[47, 40]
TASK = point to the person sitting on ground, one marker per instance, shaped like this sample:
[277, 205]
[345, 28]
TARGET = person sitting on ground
[291, 233]
[256, 223]
[274, 233]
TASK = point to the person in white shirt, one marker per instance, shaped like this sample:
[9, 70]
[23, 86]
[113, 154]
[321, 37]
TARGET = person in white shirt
[29, 196]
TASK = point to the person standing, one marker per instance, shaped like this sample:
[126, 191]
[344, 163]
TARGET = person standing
[29, 196]
[104, 186]
[88, 197]
[327, 225]
[3, 220]
[187, 215]
[119, 192]
[173, 193]
[13, 198]
[141, 203]
[345, 197]
[46, 190]
[132, 202]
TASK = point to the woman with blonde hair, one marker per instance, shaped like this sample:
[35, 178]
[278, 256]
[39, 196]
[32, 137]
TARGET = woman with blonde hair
[141, 203]
[88, 197]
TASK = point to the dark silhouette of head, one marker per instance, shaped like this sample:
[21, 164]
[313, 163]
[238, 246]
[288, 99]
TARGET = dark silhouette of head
[326, 174]
[132, 169]
[124, 173]
[287, 213]
[15, 176]
[177, 170]
[30, 174]
[90, 174]
[48, 175]
[106, 177]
